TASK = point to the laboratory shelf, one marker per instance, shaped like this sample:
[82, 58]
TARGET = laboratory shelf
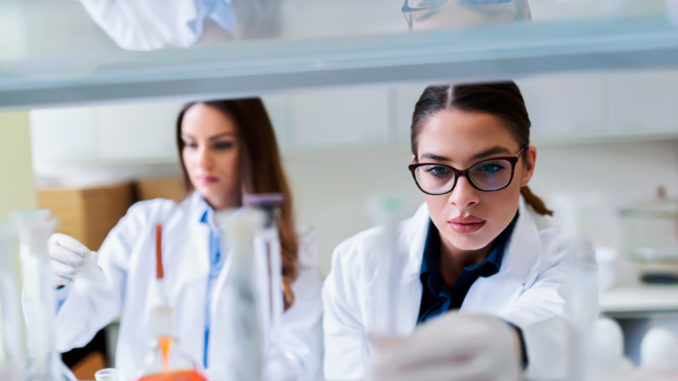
[640, 300]
[259, 67]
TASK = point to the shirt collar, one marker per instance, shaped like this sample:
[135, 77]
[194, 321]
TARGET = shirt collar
[206, 213]
[490, 266]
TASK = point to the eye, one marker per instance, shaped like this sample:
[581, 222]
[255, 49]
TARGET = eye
[438, 171]
[224, 145]
[492, 167]
[189, 144]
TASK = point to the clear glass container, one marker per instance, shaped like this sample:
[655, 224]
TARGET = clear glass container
[167, 361]
[650, 229]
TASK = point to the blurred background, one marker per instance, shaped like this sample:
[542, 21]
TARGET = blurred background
[88, 110]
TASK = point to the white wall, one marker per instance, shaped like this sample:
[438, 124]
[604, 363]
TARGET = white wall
[332, 187]
[342, 147]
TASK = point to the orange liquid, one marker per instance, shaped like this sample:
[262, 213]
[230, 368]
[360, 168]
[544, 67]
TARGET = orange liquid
[165, 343]
[179, 375]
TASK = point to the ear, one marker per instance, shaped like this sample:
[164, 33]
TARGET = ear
[529, 165]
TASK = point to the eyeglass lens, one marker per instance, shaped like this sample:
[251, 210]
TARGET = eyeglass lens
[486, 175]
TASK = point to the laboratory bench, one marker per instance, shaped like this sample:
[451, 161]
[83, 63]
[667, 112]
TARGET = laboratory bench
[639, 307]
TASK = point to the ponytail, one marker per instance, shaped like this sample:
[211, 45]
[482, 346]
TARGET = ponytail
[535, 202]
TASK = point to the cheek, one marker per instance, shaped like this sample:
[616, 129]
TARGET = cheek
[230, 164]
[436, 206]
[187, 160]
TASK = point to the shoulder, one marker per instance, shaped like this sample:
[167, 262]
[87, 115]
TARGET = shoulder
[159, 209]
[365, 248]
[559, 245]
[356, 247]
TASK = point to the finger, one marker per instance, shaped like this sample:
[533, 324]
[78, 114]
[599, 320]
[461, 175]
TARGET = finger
[383, 342]
[61, 269]
[61, 280]
[69, 243]
[65, 256]
[430, 346]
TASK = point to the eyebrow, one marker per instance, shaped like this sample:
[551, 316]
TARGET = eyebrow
[492, 151]
[217, 136]
[488, 152]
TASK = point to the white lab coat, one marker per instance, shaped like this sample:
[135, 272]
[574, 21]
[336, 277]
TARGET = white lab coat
[127, 258]
[530, 290]
[157, 24]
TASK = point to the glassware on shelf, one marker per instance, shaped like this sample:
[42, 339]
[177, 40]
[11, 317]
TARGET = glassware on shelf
[650, 237]
[439, 14]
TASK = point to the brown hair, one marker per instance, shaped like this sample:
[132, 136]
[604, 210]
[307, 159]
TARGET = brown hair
[261, 171]
[501, 99]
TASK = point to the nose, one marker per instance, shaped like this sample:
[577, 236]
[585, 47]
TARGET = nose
[204, 158]
[463, 195]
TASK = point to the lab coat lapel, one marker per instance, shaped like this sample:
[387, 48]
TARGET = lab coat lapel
[217, 347]
[189, 284]
[411, 242]
[492, 294]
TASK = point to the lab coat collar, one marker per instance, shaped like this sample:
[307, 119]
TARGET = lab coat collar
[195, 262]
[414, 231]
[520, 257]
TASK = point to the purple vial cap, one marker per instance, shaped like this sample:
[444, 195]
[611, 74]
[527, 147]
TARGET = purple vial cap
[263, 199]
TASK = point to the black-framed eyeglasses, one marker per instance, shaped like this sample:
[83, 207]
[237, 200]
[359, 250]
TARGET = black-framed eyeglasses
[487, 175]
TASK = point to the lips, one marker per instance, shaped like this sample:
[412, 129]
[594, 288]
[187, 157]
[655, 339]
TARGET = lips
[207, 180]
[467, 224]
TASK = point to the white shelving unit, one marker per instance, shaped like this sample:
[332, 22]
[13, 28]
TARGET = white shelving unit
[273, 66]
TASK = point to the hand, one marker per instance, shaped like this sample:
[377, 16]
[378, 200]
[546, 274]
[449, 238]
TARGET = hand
[454, 346]
[66, 256]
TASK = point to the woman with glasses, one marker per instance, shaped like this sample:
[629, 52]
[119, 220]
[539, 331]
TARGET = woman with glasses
[474, 286]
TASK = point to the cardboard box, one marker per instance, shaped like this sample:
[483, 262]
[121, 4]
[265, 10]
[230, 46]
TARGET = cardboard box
[88, 214]
[162, 187]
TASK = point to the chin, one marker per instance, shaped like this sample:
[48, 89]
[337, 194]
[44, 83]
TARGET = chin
[469, 243]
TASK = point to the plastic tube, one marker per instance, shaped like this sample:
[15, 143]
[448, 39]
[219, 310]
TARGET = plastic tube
[243, 333]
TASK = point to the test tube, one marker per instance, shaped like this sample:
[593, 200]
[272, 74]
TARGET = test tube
[268, 261]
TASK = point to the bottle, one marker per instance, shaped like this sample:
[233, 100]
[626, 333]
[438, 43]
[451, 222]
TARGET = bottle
[12, 331]
[166, 360]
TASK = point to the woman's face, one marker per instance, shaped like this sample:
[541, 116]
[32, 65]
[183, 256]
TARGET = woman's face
[469, 219]
[211, 153]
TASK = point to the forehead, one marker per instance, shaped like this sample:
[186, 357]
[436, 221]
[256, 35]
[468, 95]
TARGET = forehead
[458, 135]
[201, 120]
